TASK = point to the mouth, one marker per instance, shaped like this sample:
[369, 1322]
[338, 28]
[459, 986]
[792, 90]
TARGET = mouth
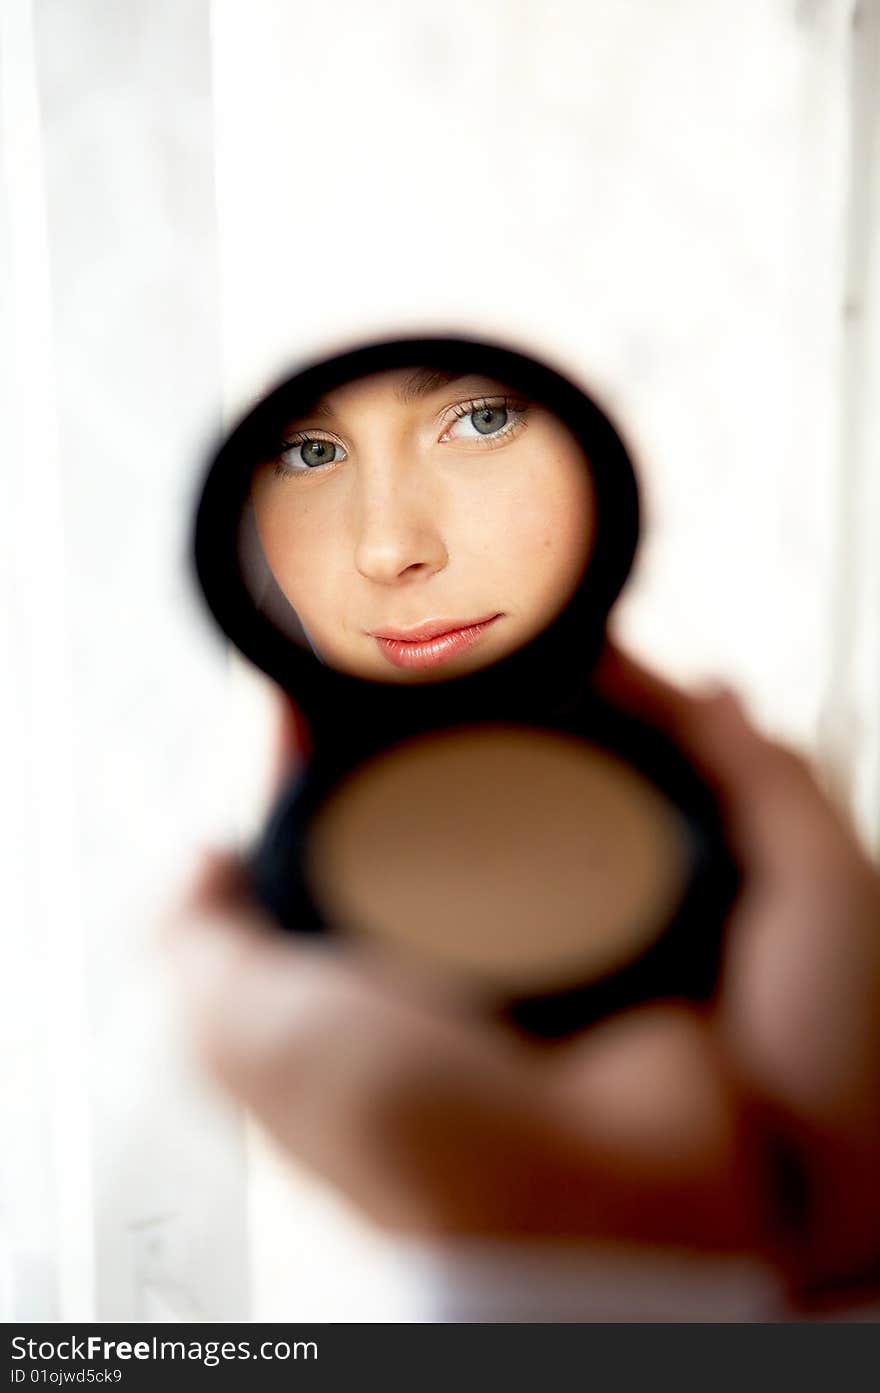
[434, 642]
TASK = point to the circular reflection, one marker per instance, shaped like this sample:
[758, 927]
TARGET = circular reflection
[522, 859]
[418, 524]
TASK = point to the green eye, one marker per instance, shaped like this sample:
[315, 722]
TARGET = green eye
[301, 453]
[489, 422]
[315, 452]
[488, 419]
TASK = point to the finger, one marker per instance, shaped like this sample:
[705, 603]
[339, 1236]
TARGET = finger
[635, 1132]
[802, 970]
[630, 684]
[776, 813]
[256, 994]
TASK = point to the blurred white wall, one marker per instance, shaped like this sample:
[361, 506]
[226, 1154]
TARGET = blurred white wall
[655, 195]
[114, 724]
[677, 203]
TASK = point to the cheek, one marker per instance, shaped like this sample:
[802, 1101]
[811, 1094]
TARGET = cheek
[297, 547]
[544, 532]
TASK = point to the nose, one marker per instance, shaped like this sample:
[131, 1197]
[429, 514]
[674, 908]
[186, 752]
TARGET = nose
[398, 533]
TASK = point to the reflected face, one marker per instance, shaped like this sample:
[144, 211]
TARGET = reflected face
[423, 524]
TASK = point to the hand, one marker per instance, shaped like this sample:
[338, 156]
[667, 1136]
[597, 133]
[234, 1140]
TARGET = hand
[752, 1125]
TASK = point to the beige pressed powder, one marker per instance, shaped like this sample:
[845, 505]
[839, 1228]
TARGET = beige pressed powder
[520, 858]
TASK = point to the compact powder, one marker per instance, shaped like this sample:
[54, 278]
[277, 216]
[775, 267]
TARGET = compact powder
[520, 859]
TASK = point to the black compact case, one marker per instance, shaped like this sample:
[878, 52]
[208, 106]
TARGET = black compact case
[544, 686]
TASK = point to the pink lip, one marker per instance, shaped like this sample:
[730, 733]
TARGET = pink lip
[434, 642]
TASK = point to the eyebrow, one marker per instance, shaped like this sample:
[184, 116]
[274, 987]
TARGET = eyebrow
[419, 384]
[422, 382]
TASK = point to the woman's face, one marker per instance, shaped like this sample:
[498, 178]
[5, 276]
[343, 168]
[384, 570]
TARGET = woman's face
[423, 524]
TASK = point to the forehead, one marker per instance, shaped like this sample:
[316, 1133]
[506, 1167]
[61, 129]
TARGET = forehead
[402, 387]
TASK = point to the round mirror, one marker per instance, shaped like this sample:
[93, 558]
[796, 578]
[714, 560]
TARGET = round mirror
[413, 512]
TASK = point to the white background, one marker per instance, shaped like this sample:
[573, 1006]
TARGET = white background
[675, 202]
